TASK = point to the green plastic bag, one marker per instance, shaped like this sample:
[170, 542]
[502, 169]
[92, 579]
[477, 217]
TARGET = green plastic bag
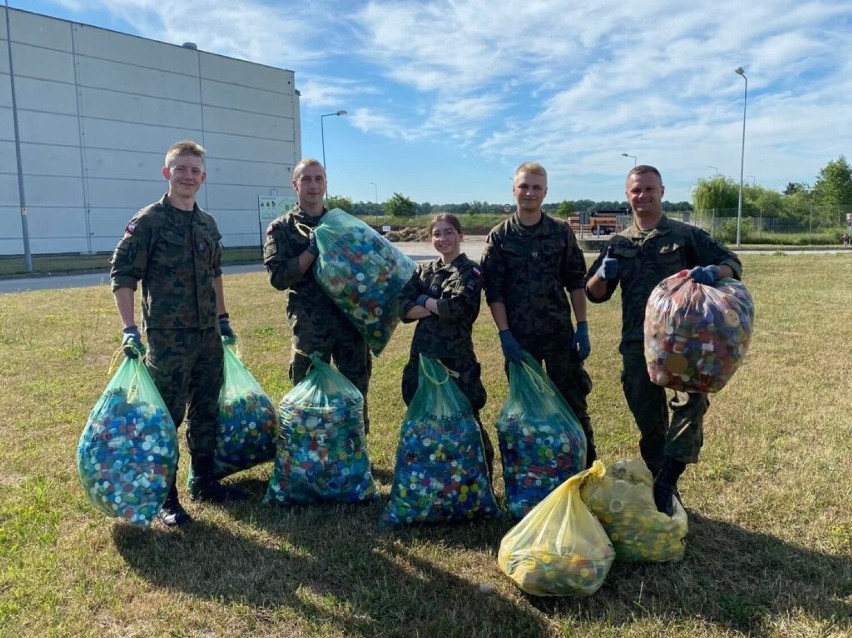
[441, 473]
[541, 442]
[248, 421]
[322, 447]
[623, 501]
[127, 454]
[363, 273]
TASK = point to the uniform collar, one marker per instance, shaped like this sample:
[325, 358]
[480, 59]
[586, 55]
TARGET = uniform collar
[663, 227]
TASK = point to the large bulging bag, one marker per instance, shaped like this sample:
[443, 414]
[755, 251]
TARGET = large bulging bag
[363, 273]
[559, 548]
[128, 452]
[248, 421]
[696, 335]
[541, 441]
[441, 473]
[322, 447]
[623, 501]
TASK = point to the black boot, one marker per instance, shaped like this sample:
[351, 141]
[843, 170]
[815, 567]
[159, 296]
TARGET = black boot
[203, 486]
[172, 513]
[591, 450]
[665, 485]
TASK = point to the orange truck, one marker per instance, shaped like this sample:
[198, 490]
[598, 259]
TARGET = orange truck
[597, 222]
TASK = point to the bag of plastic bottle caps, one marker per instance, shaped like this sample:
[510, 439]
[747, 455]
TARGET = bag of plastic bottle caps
[322, 447]
[363, 273]
[541, 442]
[559, 548]
[248, 421]
[127, 454]
[696, 335]
[623, 501]
[441, 473]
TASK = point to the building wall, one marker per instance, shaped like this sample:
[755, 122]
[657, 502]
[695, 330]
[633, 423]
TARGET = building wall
[96, 111]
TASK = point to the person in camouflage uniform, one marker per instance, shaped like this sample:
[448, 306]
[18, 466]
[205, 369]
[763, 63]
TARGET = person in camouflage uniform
[318, 325]
[640, 257]
[528, 263]
[443, 296]
[172, 247]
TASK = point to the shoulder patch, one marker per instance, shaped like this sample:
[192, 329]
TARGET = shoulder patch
[130, 228]
[269, 229]
[476, 271]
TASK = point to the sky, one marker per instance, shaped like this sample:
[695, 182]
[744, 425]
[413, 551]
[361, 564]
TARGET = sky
[444, 98]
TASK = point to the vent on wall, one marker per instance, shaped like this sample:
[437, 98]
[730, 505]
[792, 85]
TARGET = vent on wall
[190, 45]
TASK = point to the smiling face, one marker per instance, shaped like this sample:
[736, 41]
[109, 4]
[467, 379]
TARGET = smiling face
[446, 240]
[645, 194]
[529, 190]
[185, 174]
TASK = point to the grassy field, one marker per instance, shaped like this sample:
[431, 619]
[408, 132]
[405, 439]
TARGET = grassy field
[769, 550]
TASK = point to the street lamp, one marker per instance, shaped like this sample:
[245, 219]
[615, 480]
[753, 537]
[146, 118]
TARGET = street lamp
[753, 179]
[714, 168]
[376, 193]
[628, 155]
[322, 134]
[739, 71]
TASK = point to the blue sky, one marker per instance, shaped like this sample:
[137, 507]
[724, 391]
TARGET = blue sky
[445, 98]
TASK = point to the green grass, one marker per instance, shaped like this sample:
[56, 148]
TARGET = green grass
[769, 550]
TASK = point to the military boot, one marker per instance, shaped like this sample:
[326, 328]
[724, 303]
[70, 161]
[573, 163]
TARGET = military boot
[203, 485]
[172, 513]
[665, 485]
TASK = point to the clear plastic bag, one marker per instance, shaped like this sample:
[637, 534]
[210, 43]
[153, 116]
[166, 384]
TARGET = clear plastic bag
[696, 335]
[127, 454]
[248, 421]
[559, 548]
[441, 473]
[623, 501]
[363, 273]
[322, 448]
[541, 442]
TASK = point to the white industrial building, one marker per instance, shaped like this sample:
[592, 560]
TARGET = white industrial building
[86, 115]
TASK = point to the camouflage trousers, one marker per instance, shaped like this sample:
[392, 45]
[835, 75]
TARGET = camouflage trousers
[682, 439]
[337, 341]
[186, 366]
[469, 382]
[565, 369]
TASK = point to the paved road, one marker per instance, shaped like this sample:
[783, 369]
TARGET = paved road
[472, 246]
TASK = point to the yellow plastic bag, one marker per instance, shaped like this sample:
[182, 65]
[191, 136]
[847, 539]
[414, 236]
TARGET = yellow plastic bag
[623, 501]
[559, 548]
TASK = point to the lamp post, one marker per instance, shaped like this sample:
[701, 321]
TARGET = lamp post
[629, 155]
[376, 194]
[715, 169]
[322, 134]
[739, 71]
[753, 180]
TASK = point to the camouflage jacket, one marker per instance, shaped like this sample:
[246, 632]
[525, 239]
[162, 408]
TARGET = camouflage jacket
[644, 260]
[457, 287]
[529, 268]
[176, 255]
[286, 239]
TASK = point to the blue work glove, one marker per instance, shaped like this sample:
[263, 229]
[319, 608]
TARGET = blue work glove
[132, 342]
[581, 343]
[228, 336]
[706, 275]
[312, 244]
[421, 300]
[511, 348]
[609, 266]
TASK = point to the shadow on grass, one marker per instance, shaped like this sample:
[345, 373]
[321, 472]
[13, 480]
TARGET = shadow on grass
[734, 578]
[334, 566]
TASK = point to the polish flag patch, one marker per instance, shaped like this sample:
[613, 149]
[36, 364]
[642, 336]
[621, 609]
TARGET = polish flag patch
[130, 228]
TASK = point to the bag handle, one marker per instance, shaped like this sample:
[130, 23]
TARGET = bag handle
[536, 379]
[448, 373]
[133, 386]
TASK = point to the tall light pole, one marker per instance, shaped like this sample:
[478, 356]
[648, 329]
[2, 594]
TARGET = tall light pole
[629, 155]
[715, 169]
[322, 133]
[739, 71]
[376, 193]
[753, 180]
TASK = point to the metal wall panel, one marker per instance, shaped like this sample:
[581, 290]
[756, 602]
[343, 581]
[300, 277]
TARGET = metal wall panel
[113, 164]
[125, 78]
[45, 95]
[52, 160]
[45, 191]
[237, 72]
[48, 128]
[39, 30]
[235, 122]
[261, 174]
[137, 108]
[132, 50]
[9, 188]
[128, 195]
[267, 100]
[45, 64]
[254, 150]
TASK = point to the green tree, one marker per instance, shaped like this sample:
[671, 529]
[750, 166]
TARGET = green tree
[344, 203]
[716, 193]
[399, 206]
[832, 192]
[565, 209]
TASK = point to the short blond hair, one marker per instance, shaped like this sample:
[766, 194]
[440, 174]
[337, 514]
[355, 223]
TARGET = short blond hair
[184, 147]
[303, 164]
[533, 168]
